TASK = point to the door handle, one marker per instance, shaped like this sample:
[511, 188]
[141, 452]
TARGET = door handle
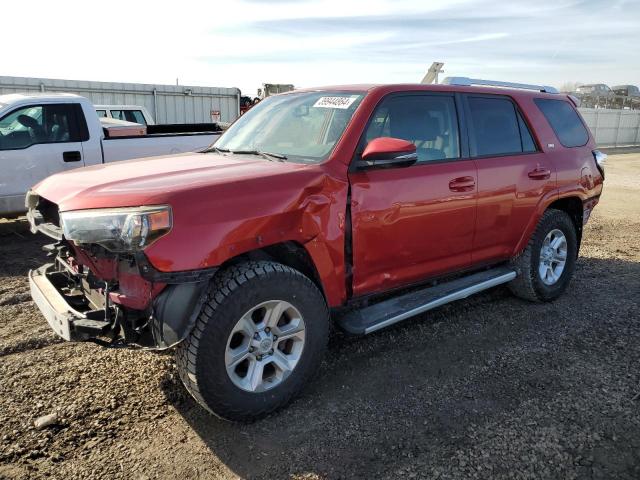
[71, 156]
[540, 173]
[462, 184]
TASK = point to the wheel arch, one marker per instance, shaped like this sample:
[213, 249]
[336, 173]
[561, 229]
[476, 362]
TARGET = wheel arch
[295, 255]
[572, 206]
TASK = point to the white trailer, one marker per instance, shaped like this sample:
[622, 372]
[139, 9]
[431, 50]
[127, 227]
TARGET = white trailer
[167, 103]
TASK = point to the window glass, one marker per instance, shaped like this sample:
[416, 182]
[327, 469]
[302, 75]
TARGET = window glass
[428, 121]
[495, 126]
[135, 116]
[118, 114]
[38, 124]
[528, 145]
[303, 126]
[564, 121]
[101, 113]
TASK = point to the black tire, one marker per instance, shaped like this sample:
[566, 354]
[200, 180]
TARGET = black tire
[528, 284]
[233, 292]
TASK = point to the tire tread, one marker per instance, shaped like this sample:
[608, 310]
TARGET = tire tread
[224, 284]
[524, 285]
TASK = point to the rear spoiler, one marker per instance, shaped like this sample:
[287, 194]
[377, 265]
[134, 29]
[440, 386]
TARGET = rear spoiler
[575, 100]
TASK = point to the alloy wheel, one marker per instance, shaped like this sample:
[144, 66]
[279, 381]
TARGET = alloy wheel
[265, 346]
[553, 257]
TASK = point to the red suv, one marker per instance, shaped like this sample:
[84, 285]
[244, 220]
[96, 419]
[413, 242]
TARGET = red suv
[361, 204]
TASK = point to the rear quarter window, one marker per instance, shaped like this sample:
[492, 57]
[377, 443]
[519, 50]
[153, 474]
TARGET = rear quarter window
[564, 121]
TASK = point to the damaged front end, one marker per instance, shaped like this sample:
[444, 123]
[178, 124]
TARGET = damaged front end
[115, 298]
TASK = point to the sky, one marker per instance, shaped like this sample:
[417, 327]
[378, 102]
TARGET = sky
[244, 43]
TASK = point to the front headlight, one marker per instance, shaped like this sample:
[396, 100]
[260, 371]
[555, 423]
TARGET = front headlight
[117, 229]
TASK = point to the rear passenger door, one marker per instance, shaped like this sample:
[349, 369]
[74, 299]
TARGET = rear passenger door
[411, 223]
[513, 174]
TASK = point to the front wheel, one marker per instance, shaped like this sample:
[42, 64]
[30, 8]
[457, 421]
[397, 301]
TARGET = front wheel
[547, 264]
[259, 338]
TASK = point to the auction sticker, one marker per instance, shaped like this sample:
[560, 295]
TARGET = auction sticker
[335, 102]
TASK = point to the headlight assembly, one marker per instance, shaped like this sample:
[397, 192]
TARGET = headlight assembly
[117, 229]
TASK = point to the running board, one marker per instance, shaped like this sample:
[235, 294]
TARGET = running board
[394, 310]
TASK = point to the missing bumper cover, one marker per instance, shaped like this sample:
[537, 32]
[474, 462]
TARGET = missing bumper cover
[73, 316]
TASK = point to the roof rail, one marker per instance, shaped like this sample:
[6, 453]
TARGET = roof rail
[466, 81]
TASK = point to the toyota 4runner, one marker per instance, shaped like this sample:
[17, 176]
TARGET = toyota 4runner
[363, 205]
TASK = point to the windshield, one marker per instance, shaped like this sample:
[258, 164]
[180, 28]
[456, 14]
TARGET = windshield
[298, 127]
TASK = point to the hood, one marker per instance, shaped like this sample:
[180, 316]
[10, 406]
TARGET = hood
[153, 180]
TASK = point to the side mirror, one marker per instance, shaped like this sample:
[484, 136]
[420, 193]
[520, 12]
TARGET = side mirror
[386, 152]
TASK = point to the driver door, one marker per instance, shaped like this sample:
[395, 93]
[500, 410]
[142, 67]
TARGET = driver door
[412, 223]
[36, 141]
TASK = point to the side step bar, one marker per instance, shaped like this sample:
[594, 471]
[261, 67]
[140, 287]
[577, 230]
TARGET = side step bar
[394, 310]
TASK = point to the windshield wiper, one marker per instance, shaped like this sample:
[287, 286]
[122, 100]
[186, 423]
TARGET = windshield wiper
[216, 149]
[267, 155]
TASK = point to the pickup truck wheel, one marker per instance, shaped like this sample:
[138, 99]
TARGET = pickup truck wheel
[546, 265]
[259, 338]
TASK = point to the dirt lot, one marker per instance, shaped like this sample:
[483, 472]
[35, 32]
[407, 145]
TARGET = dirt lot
[491, 387]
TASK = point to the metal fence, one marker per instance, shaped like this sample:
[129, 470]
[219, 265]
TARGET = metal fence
[613, 128]
[167, 103]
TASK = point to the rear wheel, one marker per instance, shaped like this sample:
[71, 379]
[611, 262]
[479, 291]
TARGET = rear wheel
[547, 264]
[259, 338]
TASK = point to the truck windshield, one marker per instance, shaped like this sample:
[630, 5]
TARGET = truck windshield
[300, 127]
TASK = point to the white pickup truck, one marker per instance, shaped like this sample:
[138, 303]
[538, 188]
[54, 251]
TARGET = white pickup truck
[44, 134]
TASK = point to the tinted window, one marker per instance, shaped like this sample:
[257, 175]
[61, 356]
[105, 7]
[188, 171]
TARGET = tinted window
[118, 114]
[101, 113]
[81, 123]
[565, 122]
[495, 126]
[135, 116]
[528, 145]
[38, 124]
[428, 121]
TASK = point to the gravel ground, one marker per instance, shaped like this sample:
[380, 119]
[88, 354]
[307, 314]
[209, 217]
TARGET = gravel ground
[491, 387]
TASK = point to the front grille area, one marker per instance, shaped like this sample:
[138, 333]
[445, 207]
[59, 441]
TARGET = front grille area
[43, 216]
[49, 211]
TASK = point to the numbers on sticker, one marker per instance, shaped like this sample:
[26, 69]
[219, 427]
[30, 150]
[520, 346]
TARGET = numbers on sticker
[335, 102]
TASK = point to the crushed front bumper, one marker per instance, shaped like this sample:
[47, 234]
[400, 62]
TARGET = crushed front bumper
[68, 322]
[52, 305]
[78, 312]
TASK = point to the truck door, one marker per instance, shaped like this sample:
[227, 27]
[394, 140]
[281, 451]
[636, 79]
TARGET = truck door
[35, 141]
[411, 223]
[513, 174]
